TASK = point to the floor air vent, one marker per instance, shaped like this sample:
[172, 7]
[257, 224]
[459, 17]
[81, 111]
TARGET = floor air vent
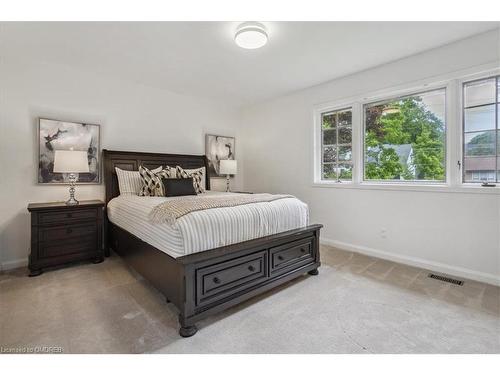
[446, 279]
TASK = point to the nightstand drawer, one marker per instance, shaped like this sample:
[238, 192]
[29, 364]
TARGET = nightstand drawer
[67, 231]
[68, 247]
[67, 216]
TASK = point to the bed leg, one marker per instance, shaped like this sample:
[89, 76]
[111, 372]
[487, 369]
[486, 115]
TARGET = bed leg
[186, 330]
[314, 272]
[98, 260]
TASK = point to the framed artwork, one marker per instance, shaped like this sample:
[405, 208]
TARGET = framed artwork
[218, 147]
[63, 135]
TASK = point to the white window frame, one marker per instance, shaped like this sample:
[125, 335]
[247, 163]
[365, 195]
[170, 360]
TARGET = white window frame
[446, 89]
[453, 85]
[318, 163]
[463, 82]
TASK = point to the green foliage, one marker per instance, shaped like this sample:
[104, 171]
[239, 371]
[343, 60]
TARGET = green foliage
[407, 174]
[387, 168]
[329, 175]
[345, 174]
[404, 122]
[329, 121]
[428, 156]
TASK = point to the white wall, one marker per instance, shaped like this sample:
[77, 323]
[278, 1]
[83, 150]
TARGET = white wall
[457, 233]
[132, 117]
[453, 232]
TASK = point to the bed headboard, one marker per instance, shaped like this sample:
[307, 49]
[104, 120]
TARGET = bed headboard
[130, 160]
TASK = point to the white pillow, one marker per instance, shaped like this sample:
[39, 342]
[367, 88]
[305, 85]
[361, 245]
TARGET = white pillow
[130, 182]
[203, 178]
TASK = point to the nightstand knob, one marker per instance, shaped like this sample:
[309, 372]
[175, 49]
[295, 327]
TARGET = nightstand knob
[280, 257]
[216, 280]
[69, 230]
[69, 216]
[251, 268]
[302, 250]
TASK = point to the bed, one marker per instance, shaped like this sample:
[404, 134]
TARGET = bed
[205, 276]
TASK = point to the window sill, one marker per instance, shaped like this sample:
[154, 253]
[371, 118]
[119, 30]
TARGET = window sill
[429, 188]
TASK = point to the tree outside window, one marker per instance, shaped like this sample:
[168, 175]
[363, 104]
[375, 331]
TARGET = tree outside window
[405, 138]
[336, 145]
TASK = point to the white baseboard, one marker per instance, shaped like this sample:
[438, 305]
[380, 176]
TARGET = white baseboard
[404, 259]
[416, 262]
[11, 264]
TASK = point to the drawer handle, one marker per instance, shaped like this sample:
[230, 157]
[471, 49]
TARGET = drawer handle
[69, 230]
[69, 216]
[280, 257]
[302, 250]
[251, 268]
[216, 280]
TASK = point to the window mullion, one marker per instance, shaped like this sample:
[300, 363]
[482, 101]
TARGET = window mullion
[357, 143]
[497, 179]
[454, 134]
[337, 172]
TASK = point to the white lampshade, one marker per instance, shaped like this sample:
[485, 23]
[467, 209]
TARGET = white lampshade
[71, 162]
[228, 167]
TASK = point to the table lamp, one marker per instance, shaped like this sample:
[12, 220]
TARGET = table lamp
[228, 167]
[71, 162]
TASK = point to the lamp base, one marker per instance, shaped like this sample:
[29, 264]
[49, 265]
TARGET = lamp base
[72, 202]
[72, 180]
[227, 184]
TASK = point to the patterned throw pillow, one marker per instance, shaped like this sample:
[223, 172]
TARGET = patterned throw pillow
[202, 170]
[151, 181]
[196, 175]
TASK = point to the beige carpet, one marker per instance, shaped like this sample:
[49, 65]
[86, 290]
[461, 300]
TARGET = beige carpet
[357, 304]
[338, 313]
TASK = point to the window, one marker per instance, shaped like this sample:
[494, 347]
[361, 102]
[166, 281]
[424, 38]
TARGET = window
[336, 145]
[390, 140]
[481, 135]
[405, 138]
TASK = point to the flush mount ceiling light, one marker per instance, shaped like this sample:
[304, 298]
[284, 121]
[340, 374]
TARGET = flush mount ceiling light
[250, 35]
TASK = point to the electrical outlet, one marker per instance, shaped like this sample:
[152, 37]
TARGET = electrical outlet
[383, 233]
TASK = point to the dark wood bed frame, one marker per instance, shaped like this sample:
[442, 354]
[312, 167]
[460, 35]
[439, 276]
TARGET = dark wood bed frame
[211, 281]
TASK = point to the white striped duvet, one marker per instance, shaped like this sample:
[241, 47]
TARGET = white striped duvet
[208, 229]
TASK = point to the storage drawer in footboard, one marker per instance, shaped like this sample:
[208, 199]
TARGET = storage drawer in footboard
[224, 279]
[291, 256]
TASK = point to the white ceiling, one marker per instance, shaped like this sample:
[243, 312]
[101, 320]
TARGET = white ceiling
[201, 59]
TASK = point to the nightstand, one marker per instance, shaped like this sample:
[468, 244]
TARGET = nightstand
[61, 234]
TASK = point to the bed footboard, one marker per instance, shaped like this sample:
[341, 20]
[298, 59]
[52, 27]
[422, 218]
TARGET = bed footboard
[208, 282]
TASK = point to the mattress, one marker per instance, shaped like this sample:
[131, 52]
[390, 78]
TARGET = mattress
[207, 229]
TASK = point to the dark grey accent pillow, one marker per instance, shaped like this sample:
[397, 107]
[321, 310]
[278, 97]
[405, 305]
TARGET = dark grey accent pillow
[175, 187]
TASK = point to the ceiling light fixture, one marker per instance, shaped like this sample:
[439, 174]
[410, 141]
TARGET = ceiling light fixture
[251, 35]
